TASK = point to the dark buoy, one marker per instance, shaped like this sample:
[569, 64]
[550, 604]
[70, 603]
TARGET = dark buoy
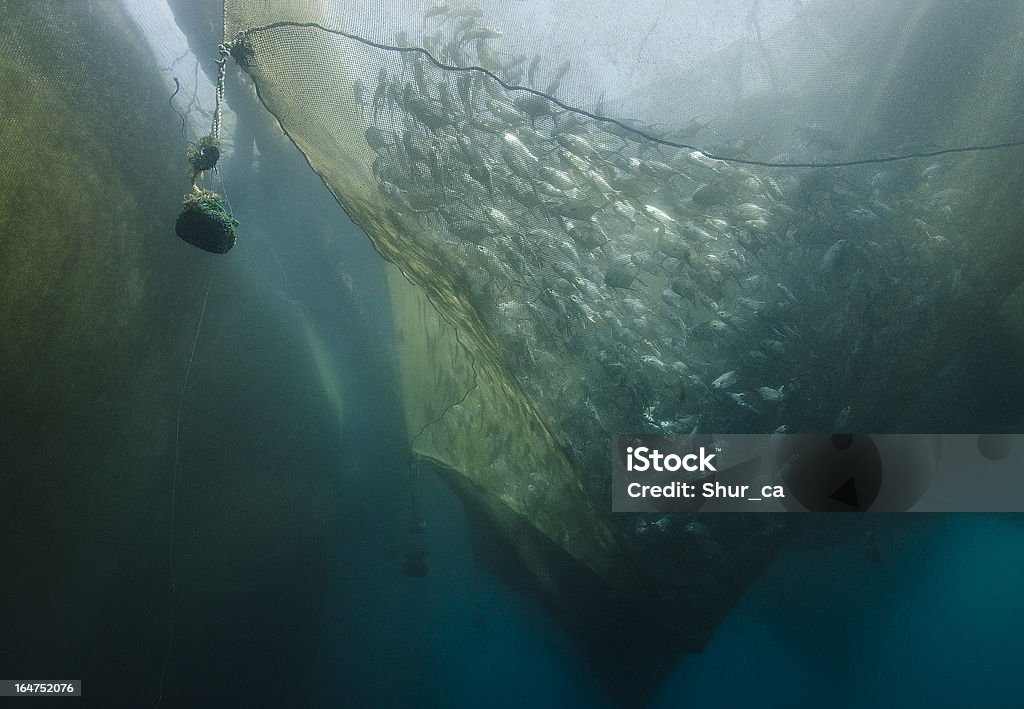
[205, 155]
[416, 568]
[205, 223]
[414, 564]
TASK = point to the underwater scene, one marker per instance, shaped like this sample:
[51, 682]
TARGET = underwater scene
[536, 353]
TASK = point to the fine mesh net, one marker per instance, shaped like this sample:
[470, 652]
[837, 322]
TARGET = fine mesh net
[688, 216]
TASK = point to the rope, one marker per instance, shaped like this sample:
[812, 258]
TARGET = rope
[206, 153]
[622, 126]
[170, 101]
[222, 64]
[174, 491]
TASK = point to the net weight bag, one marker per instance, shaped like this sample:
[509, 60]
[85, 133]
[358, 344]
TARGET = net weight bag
[204, 221]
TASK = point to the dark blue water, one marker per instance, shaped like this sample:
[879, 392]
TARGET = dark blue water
[937, 622]
[457, 637]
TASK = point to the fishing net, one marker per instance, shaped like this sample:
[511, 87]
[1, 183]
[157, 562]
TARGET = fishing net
[740, 216]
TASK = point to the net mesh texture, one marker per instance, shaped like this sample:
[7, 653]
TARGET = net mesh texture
[676, 217]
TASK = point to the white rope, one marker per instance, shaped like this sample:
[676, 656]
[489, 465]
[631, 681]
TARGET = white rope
[225, 50]
[174, 492]
[222, 64]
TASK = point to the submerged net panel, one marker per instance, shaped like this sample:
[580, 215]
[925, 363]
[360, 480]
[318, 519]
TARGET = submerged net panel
[601, 206]
[465, 418]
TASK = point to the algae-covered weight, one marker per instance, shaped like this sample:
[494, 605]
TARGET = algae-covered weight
[205, 223]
